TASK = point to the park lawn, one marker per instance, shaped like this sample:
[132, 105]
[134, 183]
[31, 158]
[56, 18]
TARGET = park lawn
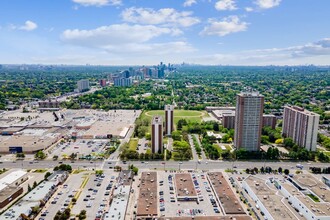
[133, 143]
[189, 115]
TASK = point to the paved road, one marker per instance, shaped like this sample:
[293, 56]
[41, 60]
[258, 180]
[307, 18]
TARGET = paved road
[208, 165]
[195, 156]
[203, 153]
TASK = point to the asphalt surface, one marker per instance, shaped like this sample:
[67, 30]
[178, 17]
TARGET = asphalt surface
[204, 165]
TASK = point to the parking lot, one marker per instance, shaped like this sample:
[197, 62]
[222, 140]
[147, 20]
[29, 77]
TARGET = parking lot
[81, 147]
[95, 196]
[63, 196]
[142, 145]
[172, 207]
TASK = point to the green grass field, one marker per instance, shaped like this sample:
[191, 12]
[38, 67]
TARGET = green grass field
[132, 144]
[193, 116]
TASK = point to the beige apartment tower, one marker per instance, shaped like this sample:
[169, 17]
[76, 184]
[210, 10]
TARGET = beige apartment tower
[301, 125]
[248, 120]
[157, 134]
[169, 119]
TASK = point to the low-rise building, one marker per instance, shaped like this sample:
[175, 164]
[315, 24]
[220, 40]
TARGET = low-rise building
[148, 197]
[39, 195]
[307, 195]
[10, 186]
[120, 197]
[266, 199]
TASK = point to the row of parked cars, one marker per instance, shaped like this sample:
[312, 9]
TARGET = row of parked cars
[197, 188]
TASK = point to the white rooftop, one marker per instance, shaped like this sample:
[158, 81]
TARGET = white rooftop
[11, 178]
[119, 203]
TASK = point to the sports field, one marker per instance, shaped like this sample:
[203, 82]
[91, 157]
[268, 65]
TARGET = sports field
[193, 116]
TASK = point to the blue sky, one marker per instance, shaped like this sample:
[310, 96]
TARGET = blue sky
[144, 32]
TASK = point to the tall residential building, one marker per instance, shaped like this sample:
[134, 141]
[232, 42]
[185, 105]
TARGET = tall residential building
[83, 85]
[169, 119]
[228, 120]
[248, 120]
[121, 81]
[157, 134]
[269, 120]
[301, 125]
[103, 82]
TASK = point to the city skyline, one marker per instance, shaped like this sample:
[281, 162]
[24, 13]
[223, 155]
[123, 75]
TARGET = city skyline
[120, 32]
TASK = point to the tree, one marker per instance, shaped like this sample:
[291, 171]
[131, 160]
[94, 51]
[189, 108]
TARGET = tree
[47, 175]
[20, 155]
[216, 126]
[98, 172]
[73, 156]
[264, 139]
[286, 172]
[40, 155]
[29, 188]
[181, 123]
[35, 184]
[82, 215]
[262, 170]
[279, 141]
[288, 142]
[176, 135]
[280, 169]
[135, 170]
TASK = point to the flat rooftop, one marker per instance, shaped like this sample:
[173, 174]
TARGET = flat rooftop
[269, 199]
[302, 110]
[318, 208]
[102, 128]
[119, 203]
[229, 217]
[157, 120]
[225, 112]
[11, 178]
[147, 201]
[250, 94]
[29, 143]
[8, 192]
[316, 186]
[32, 199]
[184, 185]
[228, 199]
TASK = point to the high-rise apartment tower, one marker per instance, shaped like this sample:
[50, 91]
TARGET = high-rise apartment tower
[248, 120]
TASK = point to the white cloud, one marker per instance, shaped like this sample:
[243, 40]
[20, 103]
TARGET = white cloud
[228, 25]
[165, 16]
[266, 4]
[223, 5]
[248, 9]
[28, 26]
[98, 3]
[115, 34]
[189, 3]
[317, 53]
[124, 38]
